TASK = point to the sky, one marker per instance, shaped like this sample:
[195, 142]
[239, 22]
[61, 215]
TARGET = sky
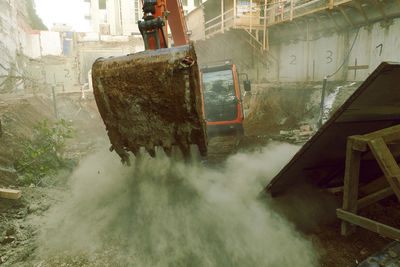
[71, 12]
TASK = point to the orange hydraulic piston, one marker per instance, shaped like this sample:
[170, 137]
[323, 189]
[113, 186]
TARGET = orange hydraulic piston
[160, 8]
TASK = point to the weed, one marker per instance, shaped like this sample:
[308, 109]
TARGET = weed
[43, 155]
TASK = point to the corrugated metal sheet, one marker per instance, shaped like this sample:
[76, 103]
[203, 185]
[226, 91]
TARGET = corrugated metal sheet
[321, 161]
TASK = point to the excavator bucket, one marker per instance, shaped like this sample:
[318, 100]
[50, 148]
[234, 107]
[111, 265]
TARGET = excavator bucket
[151, 99]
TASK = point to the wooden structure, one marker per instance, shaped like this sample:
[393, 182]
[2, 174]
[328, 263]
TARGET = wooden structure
[321, 161]
[378, 144]
[10, 193]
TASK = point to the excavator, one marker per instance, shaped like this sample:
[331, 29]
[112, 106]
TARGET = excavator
[155, 98]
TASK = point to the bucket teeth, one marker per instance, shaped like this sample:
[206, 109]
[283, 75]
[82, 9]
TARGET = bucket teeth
[147, 99]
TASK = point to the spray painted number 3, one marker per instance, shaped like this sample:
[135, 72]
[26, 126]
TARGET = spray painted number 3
[293, 61]
[329, 58]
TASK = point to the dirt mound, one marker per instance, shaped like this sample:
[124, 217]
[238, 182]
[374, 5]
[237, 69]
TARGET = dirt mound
[272, 108]
[19, 116]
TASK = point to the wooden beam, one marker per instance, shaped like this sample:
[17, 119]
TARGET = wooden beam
[346, 17]
[358, 6]
[374, 197]
[235, 9]
[351, 179]
[317, 19]
[387, 163]
[388, 134]
[265, 25]
[333, 20]
[10, 193]
[374, 186]
[251, 15]
[380, 8]
[359, 67]
[222, 16]
[359, 144]
[335, 190]
[297, 25]
[291, 9]
[374, 226]
[308, 52]
[330, 4]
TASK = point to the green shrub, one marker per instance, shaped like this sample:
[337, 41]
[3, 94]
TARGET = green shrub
[43, 155]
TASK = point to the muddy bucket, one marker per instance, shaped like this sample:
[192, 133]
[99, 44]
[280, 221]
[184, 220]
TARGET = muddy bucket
[151, 99]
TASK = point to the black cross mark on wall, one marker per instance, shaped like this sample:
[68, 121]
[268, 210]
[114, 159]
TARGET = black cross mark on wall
[357, 67]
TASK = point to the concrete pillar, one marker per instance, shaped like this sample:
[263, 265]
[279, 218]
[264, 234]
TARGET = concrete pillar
[114, 16]
[94, 15]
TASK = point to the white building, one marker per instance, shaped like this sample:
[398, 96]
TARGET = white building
[119, 17]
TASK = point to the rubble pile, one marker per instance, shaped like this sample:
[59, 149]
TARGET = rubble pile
[296, 136]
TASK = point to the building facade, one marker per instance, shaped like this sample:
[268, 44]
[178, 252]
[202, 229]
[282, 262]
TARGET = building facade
[119, 17]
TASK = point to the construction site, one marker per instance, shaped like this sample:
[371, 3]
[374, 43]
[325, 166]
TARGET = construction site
[200, 133]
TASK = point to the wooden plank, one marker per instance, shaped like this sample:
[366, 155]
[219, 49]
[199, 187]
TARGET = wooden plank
[359, 143]
[361, 10]
[359, 67]
[380, 8]
[291, 9]
[387, 163]
[333, 20]
[10, 193]
[388, 134]
[346, 17]
[375, 197]
[374, 226]
[351, 179]
[374, 186]
[335, 190]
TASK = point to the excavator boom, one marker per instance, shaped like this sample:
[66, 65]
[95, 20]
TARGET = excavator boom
[153, 98]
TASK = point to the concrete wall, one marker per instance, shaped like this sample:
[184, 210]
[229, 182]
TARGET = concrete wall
[88, 52]
[50, 43]
[299, 61]
[95, 15]
[60, 72]
[195, 24]
[129, 24]
[113, 17]
[372, 45]
[9, 41]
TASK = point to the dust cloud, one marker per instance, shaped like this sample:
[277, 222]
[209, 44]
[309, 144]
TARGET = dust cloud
[165, 213]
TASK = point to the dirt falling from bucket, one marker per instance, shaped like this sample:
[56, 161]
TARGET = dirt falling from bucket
[164, 213]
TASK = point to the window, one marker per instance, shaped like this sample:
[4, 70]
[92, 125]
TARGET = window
[197, 3]
[220, 101]
[185, 2]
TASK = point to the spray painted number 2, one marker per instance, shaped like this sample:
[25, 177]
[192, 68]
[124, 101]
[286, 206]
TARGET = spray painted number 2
[67, 73]
[329, 58]
[293, 61]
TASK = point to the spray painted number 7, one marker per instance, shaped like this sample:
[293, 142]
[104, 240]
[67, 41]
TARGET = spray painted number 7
[380, 46]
